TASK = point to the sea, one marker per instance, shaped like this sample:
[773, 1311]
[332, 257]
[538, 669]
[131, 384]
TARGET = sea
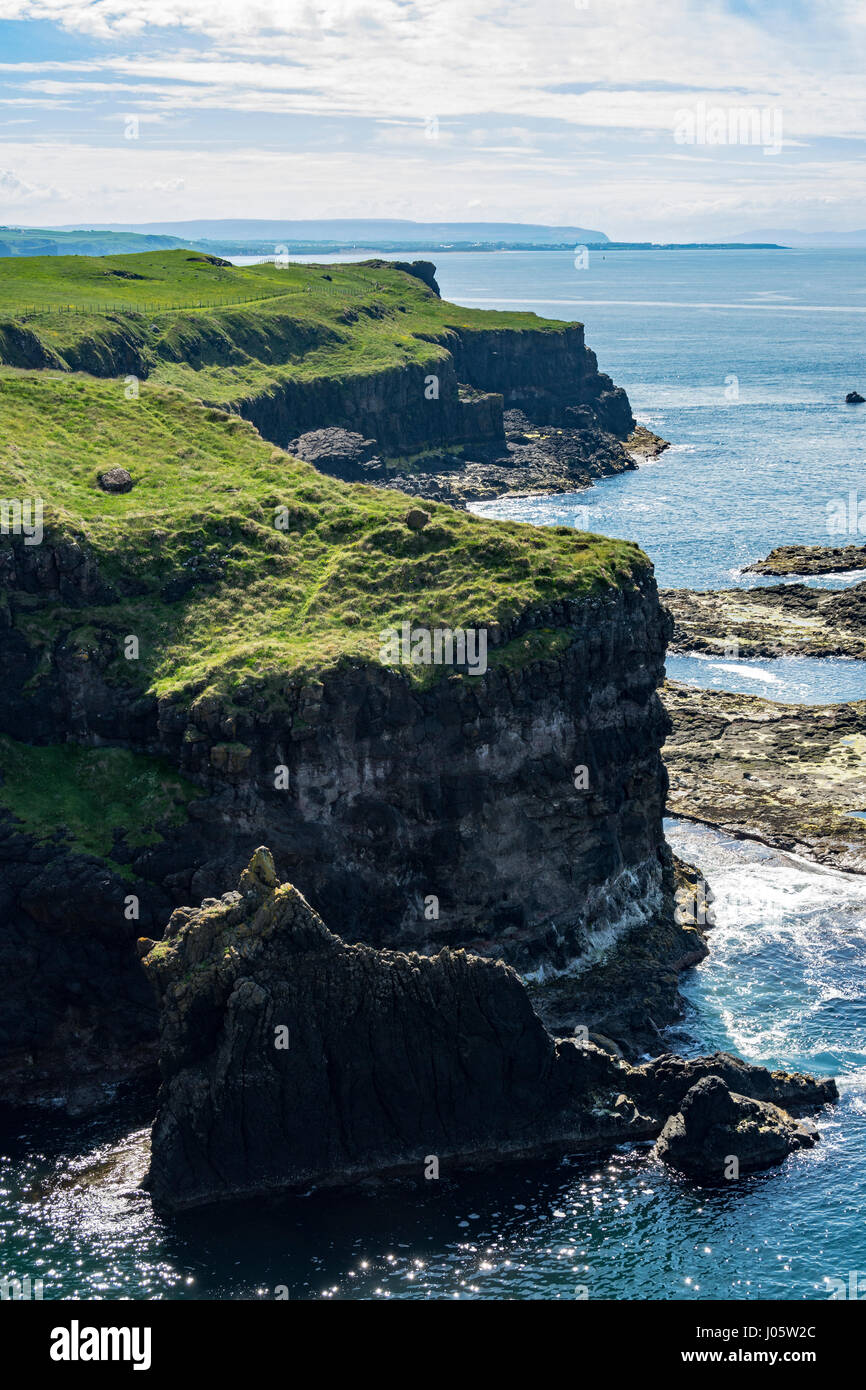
[742, 360]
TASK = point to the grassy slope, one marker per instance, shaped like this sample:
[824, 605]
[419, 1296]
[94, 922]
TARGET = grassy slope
[269, 606]
[260, 325]
[91, 794]
[205, 500]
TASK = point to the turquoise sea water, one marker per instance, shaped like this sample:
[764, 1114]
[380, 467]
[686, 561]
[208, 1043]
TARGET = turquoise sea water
[785, 982]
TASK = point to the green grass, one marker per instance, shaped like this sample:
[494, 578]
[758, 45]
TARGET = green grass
[260, 326]
[267, 605]
[131, 281]
[83, 794]
[217, 594]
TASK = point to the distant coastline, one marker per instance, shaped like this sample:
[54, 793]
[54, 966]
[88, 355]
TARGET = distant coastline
[108, 241]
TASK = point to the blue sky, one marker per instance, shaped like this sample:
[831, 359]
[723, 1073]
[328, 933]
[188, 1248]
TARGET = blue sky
[614, 114]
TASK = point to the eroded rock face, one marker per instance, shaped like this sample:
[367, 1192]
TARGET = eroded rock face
[290, 1057]
[497, 411]
[718, 1134]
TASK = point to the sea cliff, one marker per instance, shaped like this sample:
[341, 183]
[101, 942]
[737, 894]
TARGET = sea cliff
[192, 639]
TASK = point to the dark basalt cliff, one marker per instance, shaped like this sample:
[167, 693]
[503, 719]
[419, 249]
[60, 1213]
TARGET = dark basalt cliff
[518, 814]
[291, 1058]
[465, 790]
[77, 1019]
[509, 410]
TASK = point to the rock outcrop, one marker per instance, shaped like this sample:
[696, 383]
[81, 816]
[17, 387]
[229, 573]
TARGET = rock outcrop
[660, 1086]
[717, 1134]
[810, 559]
[291, 1058]
[780, 620]
[530, 458]
[793, 776]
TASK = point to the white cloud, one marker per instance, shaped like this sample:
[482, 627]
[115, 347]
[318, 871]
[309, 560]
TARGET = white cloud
[19, 193]
[541, 105]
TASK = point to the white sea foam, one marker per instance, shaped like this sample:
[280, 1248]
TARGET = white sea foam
[783, 983]
[749, 673]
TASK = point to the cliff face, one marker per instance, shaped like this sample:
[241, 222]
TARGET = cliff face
[455, 399]
[526, 803]
[465, 792]
[518, 814]
[394, 406]
[546, 376]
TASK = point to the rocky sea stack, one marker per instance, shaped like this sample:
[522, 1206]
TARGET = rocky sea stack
[291, 1058]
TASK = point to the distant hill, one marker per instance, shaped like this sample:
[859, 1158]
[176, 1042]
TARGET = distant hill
[55, 241]
[788, 237]
[369, 232]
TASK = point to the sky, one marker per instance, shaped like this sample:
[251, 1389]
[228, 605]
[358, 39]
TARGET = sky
[673, 120]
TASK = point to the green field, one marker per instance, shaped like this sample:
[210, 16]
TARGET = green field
[223, 332]
[264, 600]
[179, 278]
[229, 559]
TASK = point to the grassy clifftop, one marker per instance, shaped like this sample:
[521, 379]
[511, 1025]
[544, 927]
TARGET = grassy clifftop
[224, 332]
[229, 558]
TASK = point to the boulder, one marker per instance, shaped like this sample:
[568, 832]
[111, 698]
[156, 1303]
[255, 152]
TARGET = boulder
[334, 450]
[416, 519]
[718, 1134]
[854, 398]
[116, 480]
